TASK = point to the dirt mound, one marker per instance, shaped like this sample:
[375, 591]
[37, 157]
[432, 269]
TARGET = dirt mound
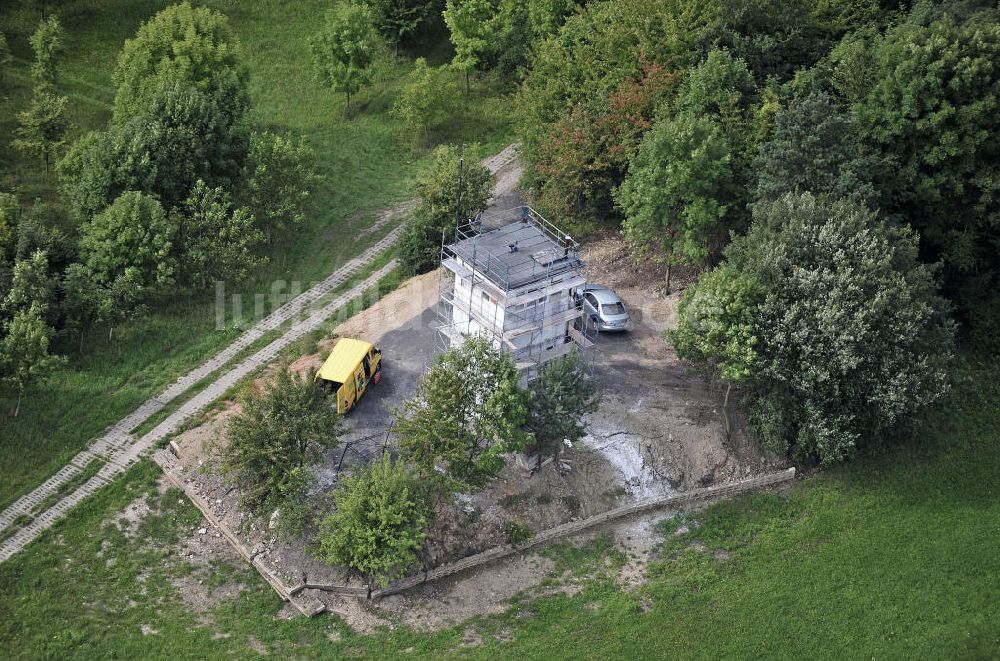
[392, 311]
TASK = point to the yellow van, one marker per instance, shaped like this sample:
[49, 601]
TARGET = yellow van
[351, 367]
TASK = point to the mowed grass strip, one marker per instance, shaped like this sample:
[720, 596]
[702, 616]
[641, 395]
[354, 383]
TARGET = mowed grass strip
[365, 164]
[889, 557]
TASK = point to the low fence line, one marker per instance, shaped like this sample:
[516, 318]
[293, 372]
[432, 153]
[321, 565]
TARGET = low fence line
[564, 530]
[305, 604]
[310, 606]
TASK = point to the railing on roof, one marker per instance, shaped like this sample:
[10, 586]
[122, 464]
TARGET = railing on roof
[501, 273]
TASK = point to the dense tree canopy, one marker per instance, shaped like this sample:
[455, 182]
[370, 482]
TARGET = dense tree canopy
[399, 20]
[815, 149]
[931, 111]
[180, 137]
[182, 46]
[592, 91]
[830, 319]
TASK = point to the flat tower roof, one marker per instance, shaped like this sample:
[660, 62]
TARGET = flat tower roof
[537, 254]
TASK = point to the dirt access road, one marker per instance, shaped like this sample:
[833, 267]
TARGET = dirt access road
[660, 423]
[117, 449]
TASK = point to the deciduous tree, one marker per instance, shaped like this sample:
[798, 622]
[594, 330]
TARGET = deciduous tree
[10, 209]
[378, 523]
[426, 99]
[826, 314]
[558, 399]
[472, 27]
[466, 414]
[82, 301]
[345, 49]
[216, 241]
[442, 200]
[87, 175]
[31, 285]
[186, 46]
[122, 299]
[24, 352]
[281, 430]
[279, 176]
[679, 193]
[132, 235]
[814, 149]
[41, 130]
[5, 56]
[47, 44]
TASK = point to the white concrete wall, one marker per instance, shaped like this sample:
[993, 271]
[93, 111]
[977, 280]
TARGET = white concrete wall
[488, 313]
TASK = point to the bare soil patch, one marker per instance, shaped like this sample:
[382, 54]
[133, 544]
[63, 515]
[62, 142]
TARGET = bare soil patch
[660, 423]
[197, 565]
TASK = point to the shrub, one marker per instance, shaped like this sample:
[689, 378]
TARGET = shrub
[272, 441]
[377, 527]
[517, 533]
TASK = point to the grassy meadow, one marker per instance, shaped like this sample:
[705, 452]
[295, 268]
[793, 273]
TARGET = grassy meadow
[891, 557]
[365, 164]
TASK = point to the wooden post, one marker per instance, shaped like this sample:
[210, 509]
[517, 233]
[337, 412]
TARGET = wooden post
[725, 412]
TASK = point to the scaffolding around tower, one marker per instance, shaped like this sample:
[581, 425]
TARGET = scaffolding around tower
[513, 277]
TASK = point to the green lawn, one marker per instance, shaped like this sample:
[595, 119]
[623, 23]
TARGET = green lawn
[889, 557]
[365, 165]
